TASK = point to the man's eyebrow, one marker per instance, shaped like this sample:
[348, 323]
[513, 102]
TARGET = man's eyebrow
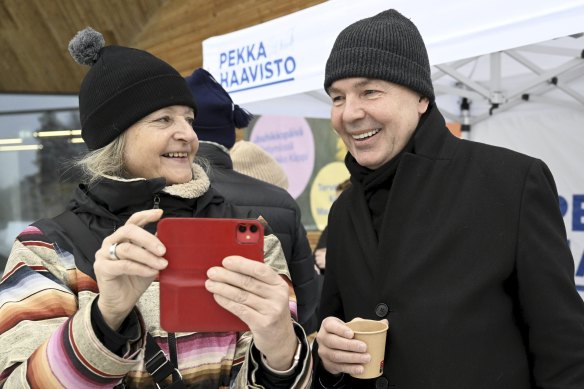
[358, 84]
[333, 90]
[362, 83]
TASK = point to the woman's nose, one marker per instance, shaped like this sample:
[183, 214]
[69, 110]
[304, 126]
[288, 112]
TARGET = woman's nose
[185, 132]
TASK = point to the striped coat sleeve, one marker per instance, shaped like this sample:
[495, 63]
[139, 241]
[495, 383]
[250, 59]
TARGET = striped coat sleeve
[46, 336]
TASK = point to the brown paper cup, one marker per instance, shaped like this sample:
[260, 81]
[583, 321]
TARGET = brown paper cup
[373, 333]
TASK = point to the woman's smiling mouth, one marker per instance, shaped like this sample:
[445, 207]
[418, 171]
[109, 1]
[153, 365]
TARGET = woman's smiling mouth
[176, 155]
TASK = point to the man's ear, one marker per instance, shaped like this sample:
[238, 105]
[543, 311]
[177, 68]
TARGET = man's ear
[423, 104]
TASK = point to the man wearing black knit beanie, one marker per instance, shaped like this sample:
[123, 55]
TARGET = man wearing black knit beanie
[460, 246]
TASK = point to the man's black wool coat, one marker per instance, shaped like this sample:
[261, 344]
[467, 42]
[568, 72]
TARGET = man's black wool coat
[472, 269]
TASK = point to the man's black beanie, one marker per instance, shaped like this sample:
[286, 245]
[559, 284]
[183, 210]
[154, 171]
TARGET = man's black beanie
[387, 46]
[123, 86]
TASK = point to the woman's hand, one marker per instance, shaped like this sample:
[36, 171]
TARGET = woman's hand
[256, 294]
[122, 281]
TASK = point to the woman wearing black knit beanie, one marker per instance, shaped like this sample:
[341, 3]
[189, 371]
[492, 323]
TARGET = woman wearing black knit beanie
[459, 246]
[79, 301]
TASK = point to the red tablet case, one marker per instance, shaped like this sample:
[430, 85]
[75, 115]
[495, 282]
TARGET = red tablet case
[193, 245]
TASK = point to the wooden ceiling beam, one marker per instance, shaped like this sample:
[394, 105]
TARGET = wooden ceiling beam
[34, 34]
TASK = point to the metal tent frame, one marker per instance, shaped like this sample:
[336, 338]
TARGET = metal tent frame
[479, 99]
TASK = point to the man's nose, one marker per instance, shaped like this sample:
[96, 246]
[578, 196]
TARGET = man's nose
[353, 109]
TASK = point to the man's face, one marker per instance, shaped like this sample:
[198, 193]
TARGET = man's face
[374, 118]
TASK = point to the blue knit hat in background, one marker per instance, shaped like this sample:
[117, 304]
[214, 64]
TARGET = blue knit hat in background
[217, 117]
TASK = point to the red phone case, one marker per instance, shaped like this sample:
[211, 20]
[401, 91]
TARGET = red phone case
[193, 245]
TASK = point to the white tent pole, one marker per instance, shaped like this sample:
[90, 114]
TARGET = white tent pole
[465, 80]
[544, 77]
[495, 59]
[543, 49]
[456, 64]
[450, 90]
[496, 96]
[538, 95]
[537, 70]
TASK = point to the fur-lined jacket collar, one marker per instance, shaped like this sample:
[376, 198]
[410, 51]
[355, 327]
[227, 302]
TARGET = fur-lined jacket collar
[115, 199]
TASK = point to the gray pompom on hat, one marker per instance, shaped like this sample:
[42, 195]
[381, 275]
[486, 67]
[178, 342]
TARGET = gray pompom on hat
[85, 46]
[122, 86]
[387, 46]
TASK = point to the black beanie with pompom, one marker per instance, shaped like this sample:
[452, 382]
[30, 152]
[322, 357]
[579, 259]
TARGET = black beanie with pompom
[123, 86]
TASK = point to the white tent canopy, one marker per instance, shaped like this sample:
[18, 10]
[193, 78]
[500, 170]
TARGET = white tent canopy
[278, 67]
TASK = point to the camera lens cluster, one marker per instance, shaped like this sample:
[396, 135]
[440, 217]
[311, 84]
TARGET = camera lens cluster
[243, 228]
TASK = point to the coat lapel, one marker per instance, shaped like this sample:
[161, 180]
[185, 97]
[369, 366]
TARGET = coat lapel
[404, 222]
[361, 219]
[410, 202]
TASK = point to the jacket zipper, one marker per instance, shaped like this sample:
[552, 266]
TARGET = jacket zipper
[171, 340]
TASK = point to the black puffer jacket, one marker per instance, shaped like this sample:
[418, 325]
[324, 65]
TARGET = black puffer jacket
[106, 206]
[282, 214]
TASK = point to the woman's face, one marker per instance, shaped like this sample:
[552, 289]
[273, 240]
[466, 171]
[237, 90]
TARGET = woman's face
[162, 144]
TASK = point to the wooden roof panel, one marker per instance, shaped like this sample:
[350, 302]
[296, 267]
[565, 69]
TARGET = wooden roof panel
[34, 34]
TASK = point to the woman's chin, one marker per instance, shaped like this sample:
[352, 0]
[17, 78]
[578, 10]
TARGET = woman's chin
[172, 179]
[177, 174]
[177, 181]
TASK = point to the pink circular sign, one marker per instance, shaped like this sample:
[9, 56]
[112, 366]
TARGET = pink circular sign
[290, 141]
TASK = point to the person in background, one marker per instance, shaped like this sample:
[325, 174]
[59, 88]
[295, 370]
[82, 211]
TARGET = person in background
[215, 124]
[79, 304]
[251, 160]
[461, 246]
[320, 249]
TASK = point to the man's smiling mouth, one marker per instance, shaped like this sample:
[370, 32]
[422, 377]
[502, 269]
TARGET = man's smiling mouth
[367, 134]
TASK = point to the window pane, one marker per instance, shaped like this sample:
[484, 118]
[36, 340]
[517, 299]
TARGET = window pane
[37, 177]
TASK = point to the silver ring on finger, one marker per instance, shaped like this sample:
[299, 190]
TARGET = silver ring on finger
[112, 252]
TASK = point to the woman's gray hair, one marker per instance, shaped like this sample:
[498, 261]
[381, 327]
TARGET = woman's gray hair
[106, 161]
